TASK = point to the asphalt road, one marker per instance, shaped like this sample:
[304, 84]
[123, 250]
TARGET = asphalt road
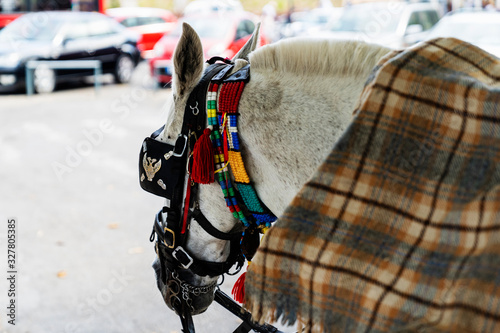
[68, 175]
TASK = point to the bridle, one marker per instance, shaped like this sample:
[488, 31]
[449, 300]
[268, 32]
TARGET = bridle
[164, 170]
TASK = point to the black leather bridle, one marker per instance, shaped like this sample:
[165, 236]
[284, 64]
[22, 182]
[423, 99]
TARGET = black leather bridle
[164, 171]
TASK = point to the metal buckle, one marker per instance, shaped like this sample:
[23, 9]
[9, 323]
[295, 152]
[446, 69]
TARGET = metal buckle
[173, 153]
[173, 238]
[187, 256]
[184, 136]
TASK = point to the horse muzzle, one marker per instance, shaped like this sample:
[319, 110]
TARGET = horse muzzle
[181, 296]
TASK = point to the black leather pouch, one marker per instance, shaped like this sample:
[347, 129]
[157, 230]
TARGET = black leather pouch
[162, 166]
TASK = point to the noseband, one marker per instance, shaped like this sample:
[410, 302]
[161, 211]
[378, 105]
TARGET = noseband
[165, 171]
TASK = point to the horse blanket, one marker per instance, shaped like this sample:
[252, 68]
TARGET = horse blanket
[399, 229]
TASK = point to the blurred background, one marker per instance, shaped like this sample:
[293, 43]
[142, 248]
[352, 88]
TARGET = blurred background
[82, 82]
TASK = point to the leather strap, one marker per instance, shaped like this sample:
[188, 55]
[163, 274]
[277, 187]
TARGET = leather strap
[156, 133]
[195, 113]
[171, 248]
[248, 324]
[194, 120]
[208, 227]
[242, 74]
[219, 76]
[186, 320]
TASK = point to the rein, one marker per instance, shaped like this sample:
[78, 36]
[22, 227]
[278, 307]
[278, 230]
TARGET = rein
[169, 171]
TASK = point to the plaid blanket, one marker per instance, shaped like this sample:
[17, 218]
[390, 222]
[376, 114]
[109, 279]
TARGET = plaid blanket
[399, 229]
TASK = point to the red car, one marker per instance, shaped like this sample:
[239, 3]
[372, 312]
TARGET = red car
[222, 34]
[7, 18]
[150, 23]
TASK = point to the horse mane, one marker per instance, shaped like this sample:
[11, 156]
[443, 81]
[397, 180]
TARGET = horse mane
[318, 56]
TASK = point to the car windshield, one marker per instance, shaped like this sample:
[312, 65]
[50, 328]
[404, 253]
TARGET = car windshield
[30, 27]
[367, 20]
[477, 33]
[209, 29]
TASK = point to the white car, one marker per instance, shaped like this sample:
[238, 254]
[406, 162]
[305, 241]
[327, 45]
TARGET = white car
[198, 7]
[392, 24]
[481, 28]
[308, 23]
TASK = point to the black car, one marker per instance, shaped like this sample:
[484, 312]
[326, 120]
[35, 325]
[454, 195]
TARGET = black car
[64, 36]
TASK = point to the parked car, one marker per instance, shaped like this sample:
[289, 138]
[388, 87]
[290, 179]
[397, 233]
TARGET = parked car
[6, 18]
[199, 7]
[150, 23]
[307, 23]
[481, 28]
[392, 24]
[221, 34]
[64, 36]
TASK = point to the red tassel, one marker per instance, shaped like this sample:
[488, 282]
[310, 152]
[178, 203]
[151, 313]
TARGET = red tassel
[238, 291]
[203, 159]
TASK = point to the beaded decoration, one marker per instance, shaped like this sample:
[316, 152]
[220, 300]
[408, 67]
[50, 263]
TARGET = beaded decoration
[223, 123]
[227, 156]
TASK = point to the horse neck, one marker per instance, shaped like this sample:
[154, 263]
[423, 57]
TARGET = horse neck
[289, 124]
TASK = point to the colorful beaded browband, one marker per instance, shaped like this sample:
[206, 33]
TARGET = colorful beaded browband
[223, 122]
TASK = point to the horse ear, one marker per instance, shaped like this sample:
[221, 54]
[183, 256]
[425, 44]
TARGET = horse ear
[188, 61]
[250, 45]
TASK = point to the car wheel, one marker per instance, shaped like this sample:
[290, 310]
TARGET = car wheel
[124, 69]
[44, 79]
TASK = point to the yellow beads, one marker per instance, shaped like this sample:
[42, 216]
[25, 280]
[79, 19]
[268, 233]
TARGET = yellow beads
[238, 168]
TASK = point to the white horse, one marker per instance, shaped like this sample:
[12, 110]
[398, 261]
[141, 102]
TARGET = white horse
[300, 98]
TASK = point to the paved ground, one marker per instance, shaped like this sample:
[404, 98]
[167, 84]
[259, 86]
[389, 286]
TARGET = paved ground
[68, 174]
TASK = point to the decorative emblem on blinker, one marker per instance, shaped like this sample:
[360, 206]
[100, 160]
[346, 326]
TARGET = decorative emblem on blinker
[195, 109]
[150, 166]
[161, 184]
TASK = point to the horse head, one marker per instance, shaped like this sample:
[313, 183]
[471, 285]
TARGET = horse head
[191, 260]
